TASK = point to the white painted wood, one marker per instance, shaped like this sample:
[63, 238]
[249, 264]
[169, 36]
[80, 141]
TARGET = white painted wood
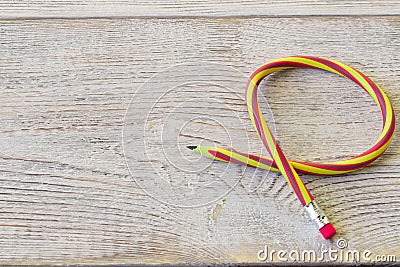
[190, 8]
[67, 197]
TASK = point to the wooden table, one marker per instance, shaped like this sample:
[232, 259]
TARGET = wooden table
[99, 100]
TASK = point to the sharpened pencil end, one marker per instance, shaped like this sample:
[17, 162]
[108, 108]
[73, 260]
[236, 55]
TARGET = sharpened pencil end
[192, 147]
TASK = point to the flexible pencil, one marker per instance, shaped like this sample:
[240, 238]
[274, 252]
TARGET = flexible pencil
[289, 168]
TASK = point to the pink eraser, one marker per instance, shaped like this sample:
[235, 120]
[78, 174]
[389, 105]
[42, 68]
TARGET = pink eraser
[328, 231]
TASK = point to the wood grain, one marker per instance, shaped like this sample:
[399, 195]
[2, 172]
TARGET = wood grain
[11, 9]
[67, 196]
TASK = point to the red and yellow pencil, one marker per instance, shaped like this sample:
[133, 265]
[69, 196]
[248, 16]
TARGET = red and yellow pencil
[289, 168]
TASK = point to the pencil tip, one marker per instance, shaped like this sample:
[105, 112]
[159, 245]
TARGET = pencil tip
[192, 147]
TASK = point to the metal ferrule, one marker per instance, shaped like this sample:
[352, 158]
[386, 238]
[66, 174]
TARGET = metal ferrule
[316, 214]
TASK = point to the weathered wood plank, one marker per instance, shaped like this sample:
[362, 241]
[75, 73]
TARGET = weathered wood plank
[66, 195]
[176, 8]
